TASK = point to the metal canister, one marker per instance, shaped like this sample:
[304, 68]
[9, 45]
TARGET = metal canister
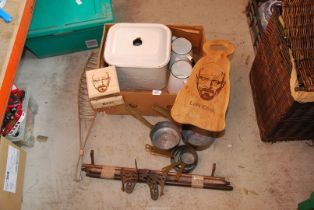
[180, 72]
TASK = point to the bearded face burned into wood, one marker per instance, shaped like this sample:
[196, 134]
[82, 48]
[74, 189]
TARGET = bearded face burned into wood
[101, 82]
[209, 85]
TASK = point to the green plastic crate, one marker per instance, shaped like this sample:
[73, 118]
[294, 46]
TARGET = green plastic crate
[307, 204]
[60, 27]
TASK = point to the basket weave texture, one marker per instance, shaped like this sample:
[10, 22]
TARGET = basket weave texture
[298, 17]
[279, 116]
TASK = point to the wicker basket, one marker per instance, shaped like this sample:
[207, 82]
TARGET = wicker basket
[255, 25]
[279, 117]
[298, 18]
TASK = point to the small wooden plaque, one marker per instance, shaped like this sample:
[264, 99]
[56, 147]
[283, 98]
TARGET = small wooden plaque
[103, 87]
[102, 82]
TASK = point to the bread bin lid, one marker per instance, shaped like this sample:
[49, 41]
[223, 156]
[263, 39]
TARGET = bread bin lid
[141, 45]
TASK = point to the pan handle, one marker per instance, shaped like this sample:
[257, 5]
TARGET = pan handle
[168, 168]
[179, 173]
[162, 111]
[155, 151]
[138, 116]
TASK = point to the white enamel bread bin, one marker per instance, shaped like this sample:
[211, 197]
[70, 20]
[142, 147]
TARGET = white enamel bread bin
[141, 53]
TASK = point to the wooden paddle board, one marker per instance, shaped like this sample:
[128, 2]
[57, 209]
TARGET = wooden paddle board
[204, 99]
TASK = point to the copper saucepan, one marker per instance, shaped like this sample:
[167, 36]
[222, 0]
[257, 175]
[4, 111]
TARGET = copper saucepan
[164, 135]
[198, 138]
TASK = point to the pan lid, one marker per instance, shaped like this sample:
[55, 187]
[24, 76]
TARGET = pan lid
[181, 69]
[181, 46]
[142, 45]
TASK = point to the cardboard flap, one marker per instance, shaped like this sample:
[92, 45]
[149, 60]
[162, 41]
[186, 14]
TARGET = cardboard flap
[11, 180]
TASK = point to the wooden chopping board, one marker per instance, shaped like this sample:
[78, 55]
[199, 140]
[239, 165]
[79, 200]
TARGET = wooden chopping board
[204, 99]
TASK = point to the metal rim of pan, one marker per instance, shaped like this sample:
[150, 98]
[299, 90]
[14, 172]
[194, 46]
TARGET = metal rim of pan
[165, 125]
[177, 155]
[197, 147]
[205, 138]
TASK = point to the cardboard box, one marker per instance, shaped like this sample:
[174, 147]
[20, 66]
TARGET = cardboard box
[12, 166]
[144, 100]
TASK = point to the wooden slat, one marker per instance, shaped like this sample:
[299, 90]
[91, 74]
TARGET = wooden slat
[12, 36]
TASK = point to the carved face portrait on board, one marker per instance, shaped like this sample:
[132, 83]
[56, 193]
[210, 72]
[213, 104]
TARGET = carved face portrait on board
[209, 85]
[101, 82]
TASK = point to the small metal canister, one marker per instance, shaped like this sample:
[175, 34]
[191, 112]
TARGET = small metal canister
[181, 49]
[180, 72]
